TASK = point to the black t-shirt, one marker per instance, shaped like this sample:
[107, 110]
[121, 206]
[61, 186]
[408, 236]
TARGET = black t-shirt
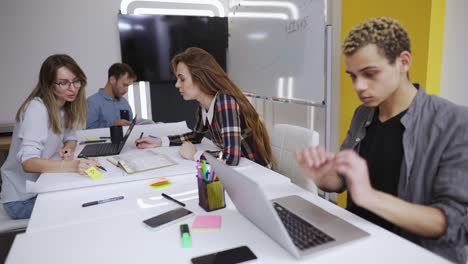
[382, 148]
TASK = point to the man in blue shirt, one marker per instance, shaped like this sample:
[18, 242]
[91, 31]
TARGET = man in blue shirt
[108, 107]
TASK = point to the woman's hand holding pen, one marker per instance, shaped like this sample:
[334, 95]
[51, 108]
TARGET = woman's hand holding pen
[66, 153]
[188, 150]
[148, 142]
[84, 164]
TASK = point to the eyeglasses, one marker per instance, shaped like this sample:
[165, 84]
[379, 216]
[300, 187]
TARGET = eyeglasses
[65, 84]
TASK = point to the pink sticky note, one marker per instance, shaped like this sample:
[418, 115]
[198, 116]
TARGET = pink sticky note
[159, 181]
[207, 221]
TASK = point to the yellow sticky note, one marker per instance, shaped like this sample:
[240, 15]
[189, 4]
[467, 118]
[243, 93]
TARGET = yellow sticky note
[92, 138]
[161, 185]
[94, 174]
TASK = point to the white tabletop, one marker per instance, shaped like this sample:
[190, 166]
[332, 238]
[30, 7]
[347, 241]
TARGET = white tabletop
[62, 231]
[114, 233]
[49, 182]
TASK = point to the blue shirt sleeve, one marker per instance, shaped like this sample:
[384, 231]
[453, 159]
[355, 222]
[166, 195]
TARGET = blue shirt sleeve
[93, 120]
[104, 111]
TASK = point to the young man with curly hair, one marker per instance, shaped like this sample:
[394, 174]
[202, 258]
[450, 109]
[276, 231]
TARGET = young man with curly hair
[404, 161]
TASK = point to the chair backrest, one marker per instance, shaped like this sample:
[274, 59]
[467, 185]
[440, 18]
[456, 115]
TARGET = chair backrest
[9, 225]
[466, 249]
[286, 140]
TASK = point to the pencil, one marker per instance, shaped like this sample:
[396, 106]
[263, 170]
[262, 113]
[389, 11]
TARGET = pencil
[141, 135]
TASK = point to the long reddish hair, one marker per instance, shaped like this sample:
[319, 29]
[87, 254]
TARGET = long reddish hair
[211, 79]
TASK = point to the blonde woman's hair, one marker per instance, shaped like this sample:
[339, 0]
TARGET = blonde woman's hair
[211, 78]
[386, 33]
[75, 112]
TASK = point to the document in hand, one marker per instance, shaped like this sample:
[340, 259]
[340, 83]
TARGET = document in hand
[141, 161]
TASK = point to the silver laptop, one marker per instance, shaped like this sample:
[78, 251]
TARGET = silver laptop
[296, 224]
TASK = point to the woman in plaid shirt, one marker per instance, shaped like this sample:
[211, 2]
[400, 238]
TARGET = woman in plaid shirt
[224, 111]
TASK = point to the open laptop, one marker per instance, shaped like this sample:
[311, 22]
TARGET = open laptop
[107, 149]
[299, 226]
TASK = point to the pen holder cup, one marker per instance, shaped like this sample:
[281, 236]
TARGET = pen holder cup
[211, 195]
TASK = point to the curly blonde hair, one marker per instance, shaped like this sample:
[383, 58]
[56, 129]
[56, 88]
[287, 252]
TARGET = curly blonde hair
[386, 33]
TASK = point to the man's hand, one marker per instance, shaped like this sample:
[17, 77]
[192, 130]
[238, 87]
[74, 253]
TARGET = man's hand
[122, 122]
[354, 169]
[317, 163]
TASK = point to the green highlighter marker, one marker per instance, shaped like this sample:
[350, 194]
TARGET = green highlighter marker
[185, 234]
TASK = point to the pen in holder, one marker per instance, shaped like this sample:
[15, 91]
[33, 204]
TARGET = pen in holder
[210, 190]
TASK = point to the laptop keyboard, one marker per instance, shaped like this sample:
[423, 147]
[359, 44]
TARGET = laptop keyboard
[95, 150]
[303, 234]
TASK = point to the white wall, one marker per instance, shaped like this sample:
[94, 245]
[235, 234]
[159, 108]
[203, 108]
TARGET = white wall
[32, 30]
[455, 54]
[87, 30]
[312, 117]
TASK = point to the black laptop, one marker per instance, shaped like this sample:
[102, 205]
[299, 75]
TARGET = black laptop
[106, 149]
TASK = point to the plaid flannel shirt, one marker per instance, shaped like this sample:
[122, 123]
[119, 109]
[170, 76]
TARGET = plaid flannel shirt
[228, 131]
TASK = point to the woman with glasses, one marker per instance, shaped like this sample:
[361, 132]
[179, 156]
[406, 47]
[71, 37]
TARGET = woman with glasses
[45, 125]
[224, 110]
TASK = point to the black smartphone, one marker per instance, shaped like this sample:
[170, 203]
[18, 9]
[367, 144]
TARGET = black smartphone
[124, 114]
[230, 256]
[167, 217]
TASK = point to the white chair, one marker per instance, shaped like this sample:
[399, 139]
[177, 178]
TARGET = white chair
[10, 225]
[285, 141]
[466, 249]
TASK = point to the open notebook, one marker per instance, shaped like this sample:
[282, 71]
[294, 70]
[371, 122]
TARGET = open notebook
[141, 161]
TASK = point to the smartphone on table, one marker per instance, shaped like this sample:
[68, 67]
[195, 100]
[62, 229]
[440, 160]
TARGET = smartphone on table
[166, 218]
[230, 256]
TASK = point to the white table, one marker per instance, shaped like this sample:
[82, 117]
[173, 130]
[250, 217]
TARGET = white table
[49, 182]
[114, 233]
[62, 231]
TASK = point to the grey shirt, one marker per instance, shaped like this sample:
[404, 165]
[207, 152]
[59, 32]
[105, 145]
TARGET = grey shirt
[32, 138]
[434, 170]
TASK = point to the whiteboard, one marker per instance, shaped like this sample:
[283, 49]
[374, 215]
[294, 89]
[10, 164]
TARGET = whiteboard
[277, 48]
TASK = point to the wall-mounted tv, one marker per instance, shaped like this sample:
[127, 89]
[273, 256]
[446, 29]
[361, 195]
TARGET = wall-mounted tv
[148, 42]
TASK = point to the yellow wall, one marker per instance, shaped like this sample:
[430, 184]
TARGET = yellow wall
[436, 46]
[424, 21]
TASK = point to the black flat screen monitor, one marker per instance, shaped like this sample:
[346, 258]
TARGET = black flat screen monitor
[148, 42]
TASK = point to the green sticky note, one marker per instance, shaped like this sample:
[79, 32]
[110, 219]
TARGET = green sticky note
[92, 138]
[94, 173]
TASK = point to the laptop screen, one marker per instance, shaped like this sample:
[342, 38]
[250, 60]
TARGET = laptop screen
[129, 130]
